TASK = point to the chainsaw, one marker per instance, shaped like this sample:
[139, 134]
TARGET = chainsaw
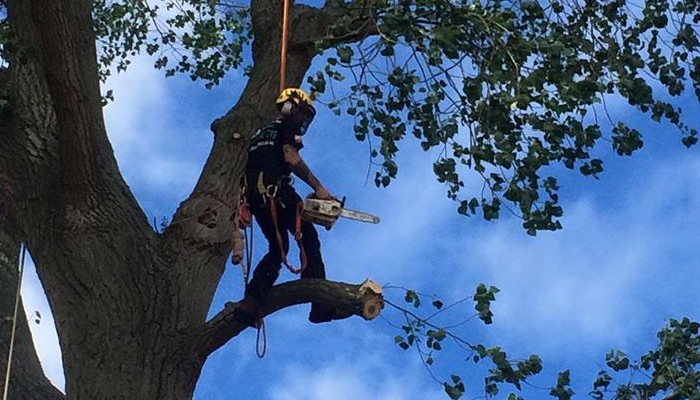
[326, 212]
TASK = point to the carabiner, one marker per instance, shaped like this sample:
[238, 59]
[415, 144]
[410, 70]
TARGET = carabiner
[271, 191]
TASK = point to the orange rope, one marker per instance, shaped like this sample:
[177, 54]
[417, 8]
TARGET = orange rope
[297, 236]
[283, 55]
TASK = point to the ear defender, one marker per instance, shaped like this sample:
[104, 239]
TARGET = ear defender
[287, 108]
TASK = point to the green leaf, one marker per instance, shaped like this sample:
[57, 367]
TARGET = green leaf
[452, 391]
[412, 297]
[562, 391]
[345, 54]
[483, 298]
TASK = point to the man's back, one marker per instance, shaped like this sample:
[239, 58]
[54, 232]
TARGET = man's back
[266, 155]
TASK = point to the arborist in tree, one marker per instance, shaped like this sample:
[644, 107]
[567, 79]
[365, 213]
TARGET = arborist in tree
[272, 157]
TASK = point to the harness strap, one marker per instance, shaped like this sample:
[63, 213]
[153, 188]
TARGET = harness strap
[297, 235]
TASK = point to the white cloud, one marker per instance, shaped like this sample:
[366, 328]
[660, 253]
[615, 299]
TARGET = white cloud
[169, 172]
[580, 281]
[141, 95]
[411, 209]
[365, 377]
[611, 275]
[159, 138]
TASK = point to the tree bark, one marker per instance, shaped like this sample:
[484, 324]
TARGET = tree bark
[130, 304]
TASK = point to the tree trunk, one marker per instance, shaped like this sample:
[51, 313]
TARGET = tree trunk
[130, 304]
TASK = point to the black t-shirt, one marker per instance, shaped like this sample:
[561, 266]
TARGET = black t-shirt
[266, 155]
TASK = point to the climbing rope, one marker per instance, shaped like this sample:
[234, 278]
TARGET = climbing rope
[248, 241]
[261, 340]
[261, 336]
[283, 52]
[14, 324]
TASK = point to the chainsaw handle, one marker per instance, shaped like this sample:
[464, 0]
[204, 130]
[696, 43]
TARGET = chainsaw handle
[342, 204]
[342, 201]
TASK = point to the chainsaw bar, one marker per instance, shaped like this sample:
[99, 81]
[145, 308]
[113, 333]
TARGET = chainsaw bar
[326, 212]
[359, 216]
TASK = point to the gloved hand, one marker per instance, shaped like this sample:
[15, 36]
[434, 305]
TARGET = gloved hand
[323, 194]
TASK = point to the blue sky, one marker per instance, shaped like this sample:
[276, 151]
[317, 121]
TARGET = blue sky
[625, 262]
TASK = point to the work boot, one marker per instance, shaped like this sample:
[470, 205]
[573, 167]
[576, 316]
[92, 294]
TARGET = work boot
[248, 312]
[320, 313]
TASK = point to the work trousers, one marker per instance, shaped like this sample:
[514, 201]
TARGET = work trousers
[268, 269]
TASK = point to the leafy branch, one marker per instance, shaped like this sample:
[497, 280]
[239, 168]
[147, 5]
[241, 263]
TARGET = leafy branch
[427, 337]
[199, 38]
[669, 372]
[510, 92]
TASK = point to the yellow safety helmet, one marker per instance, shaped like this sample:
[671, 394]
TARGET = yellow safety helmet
[290, 98]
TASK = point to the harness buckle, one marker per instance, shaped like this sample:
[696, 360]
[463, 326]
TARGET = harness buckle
[271, 191]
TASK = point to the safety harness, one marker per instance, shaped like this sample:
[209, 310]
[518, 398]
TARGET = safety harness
[270, 194]
[244, 221]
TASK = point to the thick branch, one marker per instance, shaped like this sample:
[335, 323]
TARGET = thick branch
[364, 300]
[68, 46]
[55, 95]
[28, 148]
[314, 25]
